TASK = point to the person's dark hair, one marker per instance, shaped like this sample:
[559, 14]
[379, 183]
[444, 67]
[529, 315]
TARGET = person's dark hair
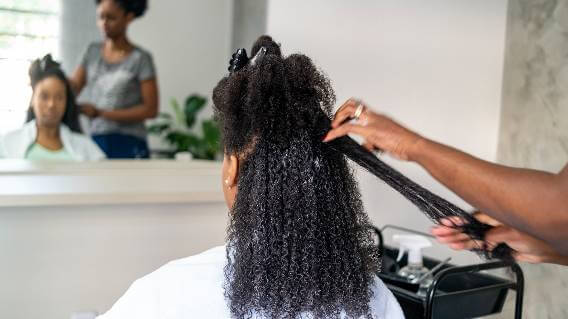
[46, 67]
[298, 238]
[137, 7]
[433, 206]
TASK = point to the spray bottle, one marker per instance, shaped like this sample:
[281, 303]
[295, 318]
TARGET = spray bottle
[414, 271]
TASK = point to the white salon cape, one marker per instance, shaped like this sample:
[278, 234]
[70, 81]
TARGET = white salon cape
[192, 287]
[81, 147]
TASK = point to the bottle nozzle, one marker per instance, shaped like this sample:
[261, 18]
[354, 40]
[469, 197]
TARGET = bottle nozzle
[401, 252]
[413, 244]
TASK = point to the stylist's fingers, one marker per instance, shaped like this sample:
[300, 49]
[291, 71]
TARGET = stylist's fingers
[455, 239]
[450, 234]
[368, 146]
[466, 245]
[503, 234]
[346, 111]
[452, 238]
[486, 219]
[352, 101]
[442, 231]
[345, 129]
[520, 242]
[452, 221]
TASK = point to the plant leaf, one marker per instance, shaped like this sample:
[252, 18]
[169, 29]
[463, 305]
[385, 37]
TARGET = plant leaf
[166, 116]
[180, 116]
[158, 128]
[182, 141]
[211, 133]
[193, 104]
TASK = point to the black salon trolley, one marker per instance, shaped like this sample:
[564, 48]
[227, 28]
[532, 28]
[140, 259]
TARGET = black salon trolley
[456, 292]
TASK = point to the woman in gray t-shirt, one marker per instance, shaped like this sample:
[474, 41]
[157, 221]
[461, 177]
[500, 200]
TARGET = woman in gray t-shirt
[116, 83]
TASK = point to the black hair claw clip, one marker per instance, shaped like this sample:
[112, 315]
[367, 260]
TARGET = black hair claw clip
[238, 60]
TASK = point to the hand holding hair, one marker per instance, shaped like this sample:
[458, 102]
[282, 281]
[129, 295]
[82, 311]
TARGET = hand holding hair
[90, 111]
[379, 131]
[526, 248]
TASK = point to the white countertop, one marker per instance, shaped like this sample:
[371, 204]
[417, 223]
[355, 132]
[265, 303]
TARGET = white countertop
[25, 183]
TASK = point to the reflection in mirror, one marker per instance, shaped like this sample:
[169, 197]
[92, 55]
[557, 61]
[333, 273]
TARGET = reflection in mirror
[142, 74]
[116, 82]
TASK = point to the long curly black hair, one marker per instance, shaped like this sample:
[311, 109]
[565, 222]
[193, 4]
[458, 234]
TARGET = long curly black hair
[298, 239]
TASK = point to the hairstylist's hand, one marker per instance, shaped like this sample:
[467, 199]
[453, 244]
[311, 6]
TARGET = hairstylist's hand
[379, 131]
[527, 248]
[90, 110]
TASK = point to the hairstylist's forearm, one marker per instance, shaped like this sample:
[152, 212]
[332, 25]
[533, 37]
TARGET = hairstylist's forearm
[560, 260]
[78, 80]
[533, 201]
[130, 115]
[147, 110]
[551, 258]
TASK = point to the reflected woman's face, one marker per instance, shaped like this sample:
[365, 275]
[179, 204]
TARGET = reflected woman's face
[48, 101]
[112, 19]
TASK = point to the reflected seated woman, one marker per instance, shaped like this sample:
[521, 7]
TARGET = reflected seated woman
[52, 131]
[298, 242]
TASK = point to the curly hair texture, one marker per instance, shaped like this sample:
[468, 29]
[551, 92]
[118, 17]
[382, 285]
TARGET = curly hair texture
[137, 7]
[298, 239]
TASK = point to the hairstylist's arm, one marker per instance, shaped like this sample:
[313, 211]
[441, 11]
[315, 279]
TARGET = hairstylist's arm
[534, 202]
[147, 110]
[78, 79]
[526, 248]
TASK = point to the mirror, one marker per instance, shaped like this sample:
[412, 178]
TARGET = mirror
[157, 84]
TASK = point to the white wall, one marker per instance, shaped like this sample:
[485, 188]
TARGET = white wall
[74, 236]
[190, 41]
[78, 29]
[55, 260]
[434, 65]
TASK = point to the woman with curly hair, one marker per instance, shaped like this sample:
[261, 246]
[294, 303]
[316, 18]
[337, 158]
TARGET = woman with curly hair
[298, 242]
[116, 83]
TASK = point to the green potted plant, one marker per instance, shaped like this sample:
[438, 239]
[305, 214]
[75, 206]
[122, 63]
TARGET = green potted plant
[178, 130]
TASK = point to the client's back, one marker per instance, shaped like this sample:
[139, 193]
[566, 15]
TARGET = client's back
[298, 239]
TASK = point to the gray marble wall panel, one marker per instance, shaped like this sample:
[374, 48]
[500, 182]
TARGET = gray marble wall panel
[534, 123]
[534, 116]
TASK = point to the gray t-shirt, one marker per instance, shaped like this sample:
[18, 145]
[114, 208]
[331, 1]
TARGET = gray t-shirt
[114, 86]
